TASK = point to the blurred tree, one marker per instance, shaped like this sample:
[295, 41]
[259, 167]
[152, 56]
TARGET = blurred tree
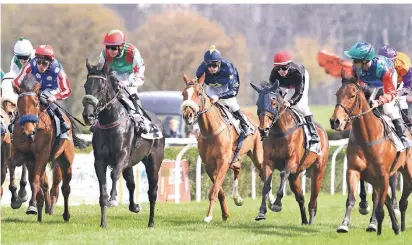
[75, 31]
[173, 42]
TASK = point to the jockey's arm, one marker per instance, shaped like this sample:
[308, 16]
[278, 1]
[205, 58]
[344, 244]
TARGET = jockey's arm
[13, 66]
[299, 87]
[200, 70]
[389, 89]
[64, 86]
[138, 69]
[407, 83]
[26, 69]
[233, 84]
[273, 76]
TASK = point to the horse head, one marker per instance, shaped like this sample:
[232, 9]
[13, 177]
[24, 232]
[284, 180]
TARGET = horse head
[101, 89]
[349, 100]
[28, 105]
[269, 103]
[195, 100]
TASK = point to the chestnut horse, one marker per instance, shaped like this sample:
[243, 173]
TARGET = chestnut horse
[284, 150]
[371, 156]
[34, 138]
[217, 142]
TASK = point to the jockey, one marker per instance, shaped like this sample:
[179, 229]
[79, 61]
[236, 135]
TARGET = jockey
[125, 59]
[378, 71]
[23, 53]
[222, 80]
[54, 82]
[294, 80]
[403, 67]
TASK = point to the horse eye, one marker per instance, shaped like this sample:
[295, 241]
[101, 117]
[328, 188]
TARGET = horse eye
[353, 96]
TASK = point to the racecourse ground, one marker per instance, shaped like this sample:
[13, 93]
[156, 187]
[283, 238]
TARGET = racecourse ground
[183, 224]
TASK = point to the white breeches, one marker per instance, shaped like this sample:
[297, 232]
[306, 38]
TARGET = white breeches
[390, 109]
[231, 102]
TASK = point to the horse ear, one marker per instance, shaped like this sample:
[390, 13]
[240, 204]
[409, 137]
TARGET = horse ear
[106, 68]
[275, 86]
[37, 87]
[186, 78]
[256, 87]
[88, 66]
[201, 80]
[342, 73]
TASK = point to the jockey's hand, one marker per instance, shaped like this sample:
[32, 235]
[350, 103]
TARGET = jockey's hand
[374, 103]
[51, 98]
[121, 84]
[286, 103]
[214, 99]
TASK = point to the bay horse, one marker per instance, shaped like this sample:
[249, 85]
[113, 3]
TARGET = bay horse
[8, 108]
[34, 138]
[217, 142]
[371, 155]
[284, 150]
[116, 143]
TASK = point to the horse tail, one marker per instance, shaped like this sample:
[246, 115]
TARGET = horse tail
[78, 142]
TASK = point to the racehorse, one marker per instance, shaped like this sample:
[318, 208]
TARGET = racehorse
[371, 155]
[284, 150]
[116, 143]
[8, 110]
[35, 144]
[217, 142]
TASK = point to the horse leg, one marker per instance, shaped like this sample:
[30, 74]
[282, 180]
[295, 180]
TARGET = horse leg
[316, 182]
[54, 192]
[352, 178]
[3, 169]
[373, 222]
[40, 198]
[393, 183]
[259, 162]
[129, 178]
[363, 204]
[392, 215]
[222, 200]
[15, 202]
[294, 182]
[44, 183]
[267, 187]
[101, 167]
[217, 178]
[235, 193]
[153, 163]
[114, 175]
[382, 191]
[407, 190]
[277, 205]
[22, 195]
[66, 168]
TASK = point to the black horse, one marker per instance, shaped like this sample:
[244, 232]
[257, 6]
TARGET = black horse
[116, 142]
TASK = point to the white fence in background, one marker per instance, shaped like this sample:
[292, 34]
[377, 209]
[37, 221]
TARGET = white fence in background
[85, 190]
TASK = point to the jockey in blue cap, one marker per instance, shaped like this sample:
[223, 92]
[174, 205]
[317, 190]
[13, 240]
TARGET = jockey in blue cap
[222, 80]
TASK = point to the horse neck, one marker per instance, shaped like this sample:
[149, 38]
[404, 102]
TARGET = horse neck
[114, 111]
[285, 121]
[210, 121]
[368, 127]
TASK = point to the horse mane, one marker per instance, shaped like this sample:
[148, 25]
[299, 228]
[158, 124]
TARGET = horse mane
[28, 83]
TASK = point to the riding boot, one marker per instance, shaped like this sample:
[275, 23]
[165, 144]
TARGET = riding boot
[312, 128]
[246, 127]
[400, 131]
[141, 124]
[406, 119]
[63, 125]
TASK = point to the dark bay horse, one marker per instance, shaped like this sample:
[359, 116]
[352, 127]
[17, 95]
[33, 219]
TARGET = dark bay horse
[371, 156]
[34, 138]
[115, 142]
[284, 150]
[217, 142]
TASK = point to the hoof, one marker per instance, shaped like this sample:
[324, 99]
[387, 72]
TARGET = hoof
[397, 212]
[342, 229]
[260, 216]
[22, 198]
[276, 208]
[208, 219]
[364, 211]
[31, 210]
[113, 203]
[371, 228]
[16, 204]
[238, 201]
[134, 208]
